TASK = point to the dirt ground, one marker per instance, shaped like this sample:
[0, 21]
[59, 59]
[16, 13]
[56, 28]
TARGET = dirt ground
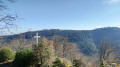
[6, 64]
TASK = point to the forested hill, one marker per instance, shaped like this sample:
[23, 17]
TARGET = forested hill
[87, 40]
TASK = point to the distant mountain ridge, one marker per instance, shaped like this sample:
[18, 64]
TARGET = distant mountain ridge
[86, 39]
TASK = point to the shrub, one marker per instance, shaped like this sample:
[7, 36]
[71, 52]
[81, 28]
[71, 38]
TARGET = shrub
[58, 63]
[23, 58]
[6, 54]
[79, 63]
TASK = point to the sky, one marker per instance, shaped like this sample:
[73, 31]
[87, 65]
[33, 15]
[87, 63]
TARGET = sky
[65, 14]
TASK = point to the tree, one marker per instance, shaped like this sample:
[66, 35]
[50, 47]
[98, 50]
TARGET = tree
[43, 53]
[6, 54]
[23, 58]
[65, 49]
[58, 45]
[107, 51]
[6, 19]
[87, 46]
[20, 44]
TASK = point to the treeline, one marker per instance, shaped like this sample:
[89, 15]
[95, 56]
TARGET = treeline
[83, 38]
[56, 52]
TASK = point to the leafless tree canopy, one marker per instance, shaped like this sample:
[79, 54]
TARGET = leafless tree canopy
[6, 19]
[66, 49]
[107, 51]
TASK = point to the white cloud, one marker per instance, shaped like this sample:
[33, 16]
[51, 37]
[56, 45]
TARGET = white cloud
[111, 1]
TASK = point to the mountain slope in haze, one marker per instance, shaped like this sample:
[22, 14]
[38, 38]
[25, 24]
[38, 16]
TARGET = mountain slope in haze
[109, 33]
[87, 40]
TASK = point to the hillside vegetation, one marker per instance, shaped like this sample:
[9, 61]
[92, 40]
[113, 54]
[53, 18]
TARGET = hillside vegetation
[87, 40]
[66, 48]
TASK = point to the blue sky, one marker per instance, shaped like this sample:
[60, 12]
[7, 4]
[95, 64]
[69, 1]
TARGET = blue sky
[66, 14]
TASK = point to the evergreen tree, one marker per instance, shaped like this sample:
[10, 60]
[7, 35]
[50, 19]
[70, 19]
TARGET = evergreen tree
[43, 52]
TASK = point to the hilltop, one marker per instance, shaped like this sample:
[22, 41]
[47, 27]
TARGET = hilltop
[87, 40]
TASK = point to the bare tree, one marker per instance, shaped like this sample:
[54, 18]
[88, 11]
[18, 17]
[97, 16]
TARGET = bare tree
[58, 45]
[66, 49]
[19, 43]
[107, 51]
[6, 19]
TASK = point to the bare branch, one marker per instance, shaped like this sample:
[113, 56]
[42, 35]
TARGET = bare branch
[7, 21]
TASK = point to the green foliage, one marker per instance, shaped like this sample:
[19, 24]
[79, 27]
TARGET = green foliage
[6, 54]
[78, 63]
[58, 63]
[23, 58]
[87, 47]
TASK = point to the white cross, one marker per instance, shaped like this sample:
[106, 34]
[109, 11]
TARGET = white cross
[36, 38]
